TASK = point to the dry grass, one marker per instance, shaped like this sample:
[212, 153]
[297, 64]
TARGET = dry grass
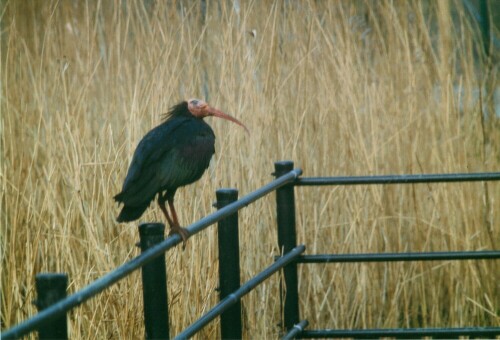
[342, 88]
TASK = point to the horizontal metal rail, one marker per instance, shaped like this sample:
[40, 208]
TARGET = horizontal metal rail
[239, 293]
[398, 179]
[393, 257]
[402, 333]
[94, 288]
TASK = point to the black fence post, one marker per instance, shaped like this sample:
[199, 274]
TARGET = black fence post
[484, 24]
[229, 265]
[154, 284]
[287, 240]
[50, 288]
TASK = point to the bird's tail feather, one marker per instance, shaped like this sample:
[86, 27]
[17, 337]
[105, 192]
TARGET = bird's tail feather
[119, 197]
[129, 213]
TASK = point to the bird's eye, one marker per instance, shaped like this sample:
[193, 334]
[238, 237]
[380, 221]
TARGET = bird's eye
[194, 102]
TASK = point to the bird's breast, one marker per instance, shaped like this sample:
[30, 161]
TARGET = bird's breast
[200, 147]
[188, 161]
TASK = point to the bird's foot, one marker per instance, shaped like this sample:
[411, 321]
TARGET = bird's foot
[183, 232]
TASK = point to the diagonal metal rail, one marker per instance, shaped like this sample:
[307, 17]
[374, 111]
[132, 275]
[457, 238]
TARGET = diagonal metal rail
[94, 288]
[296, 330]
[239, 293]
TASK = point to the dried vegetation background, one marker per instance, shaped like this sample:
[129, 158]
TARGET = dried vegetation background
[340, 87]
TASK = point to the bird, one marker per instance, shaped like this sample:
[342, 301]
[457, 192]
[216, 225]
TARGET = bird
[173, 154]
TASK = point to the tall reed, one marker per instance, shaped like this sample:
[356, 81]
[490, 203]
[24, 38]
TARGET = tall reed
[341, 88]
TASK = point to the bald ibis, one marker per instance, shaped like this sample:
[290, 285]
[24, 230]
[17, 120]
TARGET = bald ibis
[174, 154]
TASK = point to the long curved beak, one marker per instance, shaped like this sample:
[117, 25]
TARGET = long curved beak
[216, 113]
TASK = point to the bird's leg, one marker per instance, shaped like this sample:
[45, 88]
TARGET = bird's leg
[161, 202]
[175, 227]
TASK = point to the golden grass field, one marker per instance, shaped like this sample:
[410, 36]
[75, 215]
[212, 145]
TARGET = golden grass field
[339, 87]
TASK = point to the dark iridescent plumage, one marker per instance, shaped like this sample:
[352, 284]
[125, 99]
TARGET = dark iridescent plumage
[173, 154]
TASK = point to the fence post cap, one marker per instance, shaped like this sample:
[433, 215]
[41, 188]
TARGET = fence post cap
[226, 193]
[50, 287]
[282, 167]
[156, 228]
[51, 277]
[225, 196]
[286, 163]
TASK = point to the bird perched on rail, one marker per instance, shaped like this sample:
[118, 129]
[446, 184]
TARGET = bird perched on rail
[173, 154]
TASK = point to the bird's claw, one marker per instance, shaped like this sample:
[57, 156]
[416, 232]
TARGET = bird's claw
[183, 233]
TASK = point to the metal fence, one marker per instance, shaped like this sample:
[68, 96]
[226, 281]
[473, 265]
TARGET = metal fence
[53, 303]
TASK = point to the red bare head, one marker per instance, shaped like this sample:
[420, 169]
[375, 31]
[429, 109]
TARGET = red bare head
[201, 109]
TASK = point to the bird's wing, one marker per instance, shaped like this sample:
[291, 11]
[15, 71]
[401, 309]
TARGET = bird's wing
[156, 161]
[154, 144]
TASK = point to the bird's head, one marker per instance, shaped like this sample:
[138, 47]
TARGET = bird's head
[201, 109]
